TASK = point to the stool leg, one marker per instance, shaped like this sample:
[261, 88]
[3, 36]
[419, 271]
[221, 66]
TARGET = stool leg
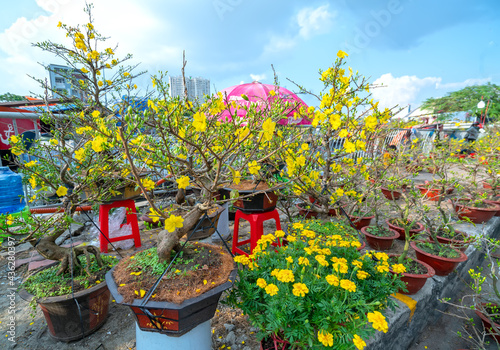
[256, 231]
[103, 220]
[278, 224]
[236, 232]
[132, 220]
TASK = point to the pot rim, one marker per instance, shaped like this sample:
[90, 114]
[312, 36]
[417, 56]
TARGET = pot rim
[167, 304]
[482, 316]
[396, 233]
[420, 226]
[27, 296]
[457, 204]
[430, 270]
[463, 257]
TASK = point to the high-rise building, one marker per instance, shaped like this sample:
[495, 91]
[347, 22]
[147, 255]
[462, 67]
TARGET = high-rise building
[197, 87]
[64, 81]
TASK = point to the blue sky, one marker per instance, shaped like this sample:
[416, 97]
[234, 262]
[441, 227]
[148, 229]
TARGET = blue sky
[416, 49]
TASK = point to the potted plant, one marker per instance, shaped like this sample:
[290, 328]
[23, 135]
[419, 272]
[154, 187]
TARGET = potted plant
[377, 236]
[326, 298]
[442, 257]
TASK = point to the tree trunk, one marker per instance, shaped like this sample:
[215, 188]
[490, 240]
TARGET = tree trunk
[67, 256]
[167, 241]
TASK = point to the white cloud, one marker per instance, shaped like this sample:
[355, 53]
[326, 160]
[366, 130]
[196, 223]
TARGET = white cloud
[278, 44]
[314, 21]
[311, 22]
[130, 24]
[258, 77]
[402, 90]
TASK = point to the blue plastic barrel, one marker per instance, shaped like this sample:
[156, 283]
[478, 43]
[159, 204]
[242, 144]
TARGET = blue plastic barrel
[11, 191]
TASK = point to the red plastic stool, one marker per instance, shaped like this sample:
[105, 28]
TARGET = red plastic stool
[131, 219]
[256, 221]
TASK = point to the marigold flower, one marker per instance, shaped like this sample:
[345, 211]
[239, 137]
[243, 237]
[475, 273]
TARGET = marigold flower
[173, 222]
[285, 276]
[289, 259]
[362, 274]
[382, 268]
[303, 261]
[300, 289]
[261, 283]
[279, 233]
[398, 268]
[272, 289]
[378, 321]
[325, 338]
[348, 285]
[332, 280]
[357, 263]
[321, 260]
[358, 342]
[242, 259]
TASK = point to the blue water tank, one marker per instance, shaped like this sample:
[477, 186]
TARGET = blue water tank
[11, 191]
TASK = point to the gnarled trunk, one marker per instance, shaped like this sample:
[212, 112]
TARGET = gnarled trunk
[50, 250]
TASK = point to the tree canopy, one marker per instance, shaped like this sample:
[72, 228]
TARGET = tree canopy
[466, 100]
[8, 97]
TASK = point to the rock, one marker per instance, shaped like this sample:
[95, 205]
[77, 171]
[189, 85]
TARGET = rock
[230, 338]
[229, 326]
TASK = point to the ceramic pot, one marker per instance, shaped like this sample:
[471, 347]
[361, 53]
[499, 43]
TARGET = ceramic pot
[415, 282]
[475, 215]
[433, 194]
[63, 317]
[443, 266]
[379, 242]
[361, 221]
[171, 318]
[307, 213]
[391, 194]
[487, 323]
[456, 243]
[496, 203]
[418, 227]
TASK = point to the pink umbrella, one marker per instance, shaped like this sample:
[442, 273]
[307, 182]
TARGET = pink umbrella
[258, 93]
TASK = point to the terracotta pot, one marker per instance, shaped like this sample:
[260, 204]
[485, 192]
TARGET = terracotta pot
[171, 318]
[391, 194]
[415, 282]
[62, 315]
[379, 242]
[443, 266]
[455, 243]
[433, 194]
[307, 213]
[476, 215]
[361, 221]
[331, 211]
[419, 228]
[496, 203]
[487, 186]
[487, 323]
